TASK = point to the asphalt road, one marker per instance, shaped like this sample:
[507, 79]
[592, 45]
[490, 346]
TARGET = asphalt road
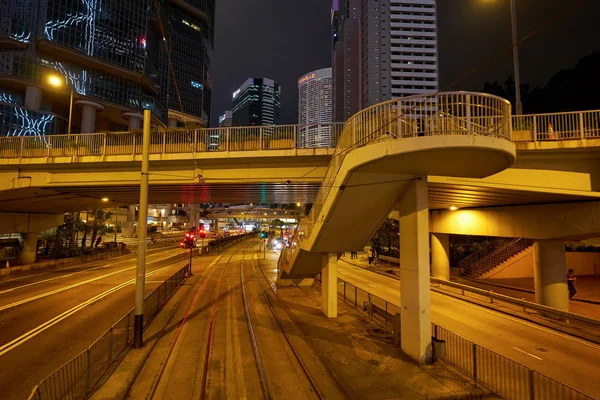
[567, 359]
[47, 319]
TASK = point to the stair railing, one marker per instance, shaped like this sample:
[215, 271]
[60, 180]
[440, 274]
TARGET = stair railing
[497, 257]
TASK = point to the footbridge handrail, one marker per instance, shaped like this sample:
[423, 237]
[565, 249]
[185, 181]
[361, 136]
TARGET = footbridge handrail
[556, 126]
[448, 113]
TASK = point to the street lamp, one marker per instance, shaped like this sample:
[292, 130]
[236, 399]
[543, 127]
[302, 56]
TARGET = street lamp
[515, 46]
[58, 81]
[513, 16]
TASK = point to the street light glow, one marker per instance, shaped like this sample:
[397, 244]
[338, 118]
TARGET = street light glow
[298, 204]
[105, 199]
[453, 208]
[56, 80]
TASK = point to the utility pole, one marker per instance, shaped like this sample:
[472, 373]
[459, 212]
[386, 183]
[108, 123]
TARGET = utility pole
[513, 16]
[140, 280]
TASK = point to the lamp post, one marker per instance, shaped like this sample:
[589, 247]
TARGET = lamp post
[58, 81]
[513, 17]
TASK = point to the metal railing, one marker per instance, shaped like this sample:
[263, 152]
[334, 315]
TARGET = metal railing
[561, 320]
[245, 138]
[556, 126]
[499, 374]
[78, 377]
[479, 254]
[477, 268]
[451, 113]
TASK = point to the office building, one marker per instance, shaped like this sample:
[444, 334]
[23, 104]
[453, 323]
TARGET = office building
[256, 102]
[382, 50]
[226, 119]
[315, 107]
[111, 55]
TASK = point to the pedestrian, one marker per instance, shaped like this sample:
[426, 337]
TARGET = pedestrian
[571, 279]
[550, 131]
[371, 256]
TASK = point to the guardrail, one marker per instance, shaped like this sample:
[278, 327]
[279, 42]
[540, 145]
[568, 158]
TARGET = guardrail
[479, 267]
[556, 126]
[78, 377]
[588, 326]
[499, 374]
[246, 138]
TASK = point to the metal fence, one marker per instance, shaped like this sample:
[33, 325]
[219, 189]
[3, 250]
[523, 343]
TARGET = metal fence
[277, 137]
[78, 377]
[556, 126]
[503, 376]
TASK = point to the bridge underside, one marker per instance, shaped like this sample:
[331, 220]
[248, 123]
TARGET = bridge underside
[443, 193]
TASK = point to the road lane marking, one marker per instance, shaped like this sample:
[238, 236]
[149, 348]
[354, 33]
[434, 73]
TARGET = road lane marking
[371, 285]
[84, 264]
[529, 354]
[64, 288]
[35, 283]
[48, 324]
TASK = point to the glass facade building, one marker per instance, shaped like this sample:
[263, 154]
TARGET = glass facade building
[257, 102]
[111, 54]
[315, 107]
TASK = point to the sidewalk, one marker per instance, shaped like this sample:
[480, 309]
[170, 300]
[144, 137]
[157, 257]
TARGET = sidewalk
[363, 365]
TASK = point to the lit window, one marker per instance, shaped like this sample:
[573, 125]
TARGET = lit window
[197, 85]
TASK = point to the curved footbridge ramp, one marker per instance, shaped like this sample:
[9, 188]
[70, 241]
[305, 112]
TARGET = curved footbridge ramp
[381, 152]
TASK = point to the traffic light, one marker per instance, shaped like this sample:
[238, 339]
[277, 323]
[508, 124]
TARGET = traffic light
[263, 235]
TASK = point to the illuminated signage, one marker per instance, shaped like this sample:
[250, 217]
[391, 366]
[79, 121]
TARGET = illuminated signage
[306, 78]
[236, 93]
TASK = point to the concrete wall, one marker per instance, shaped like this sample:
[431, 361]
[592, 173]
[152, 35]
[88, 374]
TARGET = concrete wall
[522, 266]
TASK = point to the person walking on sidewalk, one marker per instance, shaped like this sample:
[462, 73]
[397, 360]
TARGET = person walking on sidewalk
[571, 279]
[371, 256]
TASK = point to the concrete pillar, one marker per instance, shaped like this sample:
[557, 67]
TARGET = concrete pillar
[33, 97]
[129, 226]
[329, 284]
[414, 273]
[549, 274]
[88, 115]
[172, 122]
[440, 256]
[134, 120]
[216, 225]
[29, 251]
[191, 216]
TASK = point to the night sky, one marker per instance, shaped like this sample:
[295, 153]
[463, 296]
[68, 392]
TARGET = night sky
[284, 39]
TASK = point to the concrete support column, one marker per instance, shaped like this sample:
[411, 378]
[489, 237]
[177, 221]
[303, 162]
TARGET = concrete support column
[33, 97]
[191, 216]
[129, 226]
[216, 225]
[440, 256]
[134, 120]
[415, 333]
[29, 251]
[329, 284]
[549, 274]
[88, 115]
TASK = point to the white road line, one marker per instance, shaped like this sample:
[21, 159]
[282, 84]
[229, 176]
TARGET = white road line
[371, 285]
[35, 283]
[48, 324]
[529, 354]
[64, 288]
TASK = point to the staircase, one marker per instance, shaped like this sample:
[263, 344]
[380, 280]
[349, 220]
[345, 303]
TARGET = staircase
[479, 264]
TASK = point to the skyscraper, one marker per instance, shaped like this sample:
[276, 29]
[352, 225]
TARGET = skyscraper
[382, 50]
[257, 102]
[226, 119]
[111, 54]
[315, 107]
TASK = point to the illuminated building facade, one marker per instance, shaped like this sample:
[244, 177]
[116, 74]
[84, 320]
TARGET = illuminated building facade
[315, 107]
[226, 120]
[257, 102]
[112, 56]
[382, 50]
